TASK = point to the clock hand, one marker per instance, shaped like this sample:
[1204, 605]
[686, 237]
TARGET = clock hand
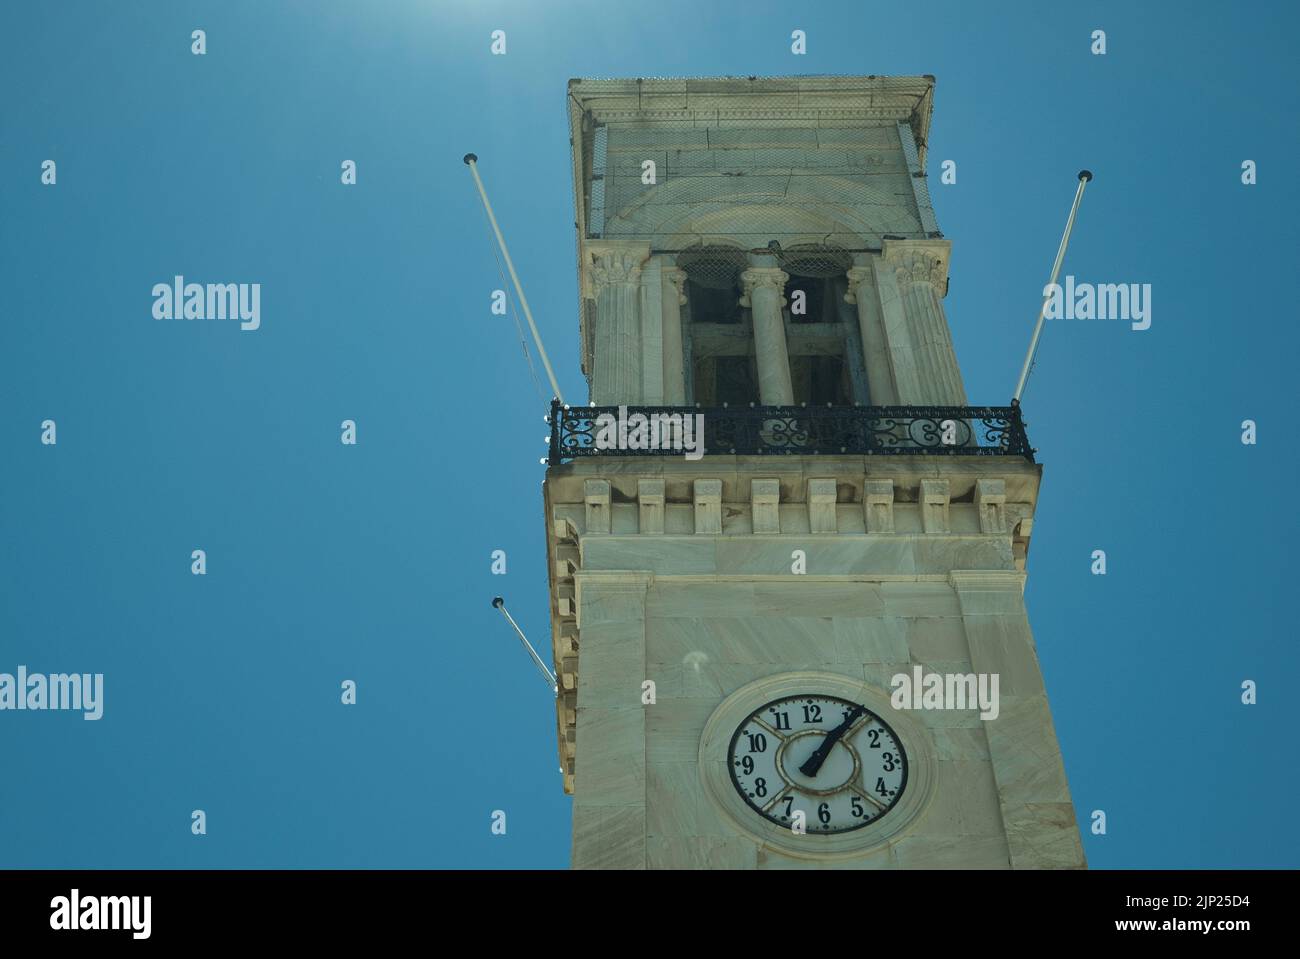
[814, 762]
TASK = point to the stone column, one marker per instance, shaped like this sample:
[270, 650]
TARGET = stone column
[1037, 813]
[652, 332]
[875, 347]
[764, 286]
[921, 273]
[671, 302]
[609, 795]
[615, 273]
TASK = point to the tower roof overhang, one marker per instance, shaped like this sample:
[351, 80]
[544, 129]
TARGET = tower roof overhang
[721, 102]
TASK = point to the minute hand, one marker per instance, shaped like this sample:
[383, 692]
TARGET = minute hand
[814, 762]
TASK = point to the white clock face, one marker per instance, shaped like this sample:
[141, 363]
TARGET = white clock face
[831, 759]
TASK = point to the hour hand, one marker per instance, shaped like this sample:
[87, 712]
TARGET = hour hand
[814, 762]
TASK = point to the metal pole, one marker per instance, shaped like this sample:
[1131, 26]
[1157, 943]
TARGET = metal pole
[499, 603]
[472, 162]
[1084, 177]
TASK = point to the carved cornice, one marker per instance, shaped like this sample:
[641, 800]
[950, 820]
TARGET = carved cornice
[762, 277]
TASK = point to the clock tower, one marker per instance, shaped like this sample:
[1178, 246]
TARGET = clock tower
[786, 555]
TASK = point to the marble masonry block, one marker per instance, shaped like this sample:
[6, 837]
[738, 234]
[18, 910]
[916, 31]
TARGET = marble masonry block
[818, 599]
[596, 497]
[676, 805]
[876, 639]
[667, 678]
[878, 506]
[937, 638]
[679, 519]
[942, 554]
[1026, 757]
[740, 639]
[672, 734]
[650, 505]
[919, 599]
[623, 519]
[933, 499]
[966, 800]
[700, 853]
[1044, 836]
[880, 858]
[715, 681]
[960, 742]
[963, 519]
[952, 852]
[794, 518]
[991, 501]
[881, 675]
[699, 599]
[762, 556]
[907, 518]
[821, 506]
[849, 519]
[765, 500]
[564, 528]
[1004, 645]
[667, 555]
[568, 707]
[736, 520]
[826, 555]
[708, 506]
[608, 837]
[611, 755]
[989, 592]
[611, 665]
[598, 603]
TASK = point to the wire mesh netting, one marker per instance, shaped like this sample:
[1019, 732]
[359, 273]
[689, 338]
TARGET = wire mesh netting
[713, 267]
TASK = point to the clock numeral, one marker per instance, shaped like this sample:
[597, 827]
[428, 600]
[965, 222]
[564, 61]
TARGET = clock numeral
[760, 787]
[757, 742]
[782, 720]
[746, 765]
[858, 810]
[874, 735]
[812, 714]
[881, 787]
[889, 762]
[789, 805]
[824, 813]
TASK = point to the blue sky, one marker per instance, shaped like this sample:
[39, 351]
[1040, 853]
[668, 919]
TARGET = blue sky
[371, 562]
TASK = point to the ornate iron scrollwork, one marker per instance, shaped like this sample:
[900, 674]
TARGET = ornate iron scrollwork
[780, 430]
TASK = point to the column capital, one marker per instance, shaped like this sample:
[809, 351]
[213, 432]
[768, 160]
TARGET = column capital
[762, 277]
[612, 267]
[677, 277]
[611, 262]
[919, 261]
[858, 276]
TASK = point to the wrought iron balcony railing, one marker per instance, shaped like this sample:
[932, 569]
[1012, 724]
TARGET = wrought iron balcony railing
[776, 430]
